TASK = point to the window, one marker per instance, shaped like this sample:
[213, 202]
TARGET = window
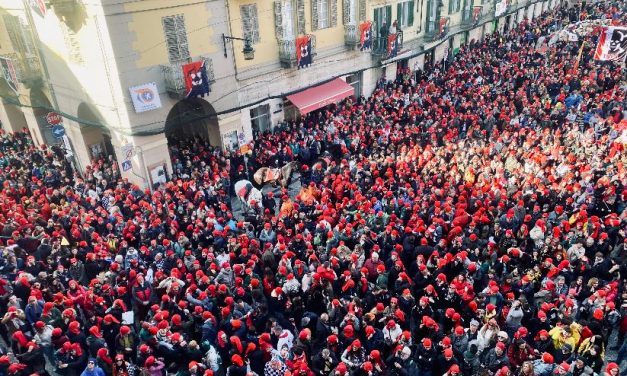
[405, 14]
[382, 20]
[176, 38]
[467, 14]
[260, 119]
[453, 6]
[350, 12]
[420, 10]
[433, 16]
[250, 22]
[323, 14]
[289, 18]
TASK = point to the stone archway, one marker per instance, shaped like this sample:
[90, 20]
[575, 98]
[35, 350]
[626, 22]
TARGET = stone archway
[193, 118]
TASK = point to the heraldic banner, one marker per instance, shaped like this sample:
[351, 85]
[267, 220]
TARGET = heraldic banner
[612, 44]
[392, 47]
[196, 81]
[303, 51]
[365, 35]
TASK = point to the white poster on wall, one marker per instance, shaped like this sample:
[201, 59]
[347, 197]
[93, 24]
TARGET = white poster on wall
[145, 97]
[157, 175]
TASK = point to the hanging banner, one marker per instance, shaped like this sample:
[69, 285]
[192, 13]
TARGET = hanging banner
[303, 51]
[476, 13]
[392, 46]
[145, 97]
[443, 25]
[365, 36]
[612, 44]
[196, 81]
[9, 73]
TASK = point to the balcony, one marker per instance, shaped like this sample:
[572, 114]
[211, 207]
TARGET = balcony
[351, 35]
[30, 72]
[380, 46]
[287, 51]
[27, 69]
[434, 32]
[175, 81]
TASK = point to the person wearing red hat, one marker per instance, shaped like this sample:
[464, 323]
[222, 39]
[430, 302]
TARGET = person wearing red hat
[154, 366]
[354, 355]
[126, 342]
[496, 357]
[94, 341]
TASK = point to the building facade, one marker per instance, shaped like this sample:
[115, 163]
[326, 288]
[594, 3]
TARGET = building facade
[121, 78]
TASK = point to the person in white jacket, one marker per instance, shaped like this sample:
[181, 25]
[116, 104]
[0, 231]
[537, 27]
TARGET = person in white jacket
[392, 332]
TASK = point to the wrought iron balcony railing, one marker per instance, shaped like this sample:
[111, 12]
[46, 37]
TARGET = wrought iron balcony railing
[174, 79]
[381, 48]
[351, 35]
[287, 51]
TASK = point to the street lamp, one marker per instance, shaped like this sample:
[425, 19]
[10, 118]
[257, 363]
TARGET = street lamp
[248, 50]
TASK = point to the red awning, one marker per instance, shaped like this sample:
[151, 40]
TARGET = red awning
[319, 96]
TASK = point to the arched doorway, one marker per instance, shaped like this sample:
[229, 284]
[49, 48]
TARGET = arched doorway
[193, 118]
[11, 116]
[96, 136]
[41, 108]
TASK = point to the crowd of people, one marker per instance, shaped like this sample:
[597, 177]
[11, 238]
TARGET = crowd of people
[469, 219]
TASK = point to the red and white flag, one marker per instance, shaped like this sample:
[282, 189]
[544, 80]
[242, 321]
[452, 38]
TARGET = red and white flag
[612, 44]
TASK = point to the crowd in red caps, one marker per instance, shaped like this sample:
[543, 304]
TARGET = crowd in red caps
[468, 219]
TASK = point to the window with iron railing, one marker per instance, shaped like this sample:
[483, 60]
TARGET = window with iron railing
[405, 13]
[433, 16]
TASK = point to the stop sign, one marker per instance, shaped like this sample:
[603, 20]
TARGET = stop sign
[53, 118]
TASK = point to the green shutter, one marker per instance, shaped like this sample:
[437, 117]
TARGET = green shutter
[399, 14]
[388, 11]
[410, 19]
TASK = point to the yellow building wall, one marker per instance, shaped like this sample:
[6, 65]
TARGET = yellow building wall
[147, 28]
[267, 50]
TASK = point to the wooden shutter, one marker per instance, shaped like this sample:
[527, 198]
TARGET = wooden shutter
[388, 15]
[410, 16]
[399, 14]
[278, 19]
[333, 13]
[176, 37]
[314, 14]
[300, 9]
[250, 22]
[362, 10]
